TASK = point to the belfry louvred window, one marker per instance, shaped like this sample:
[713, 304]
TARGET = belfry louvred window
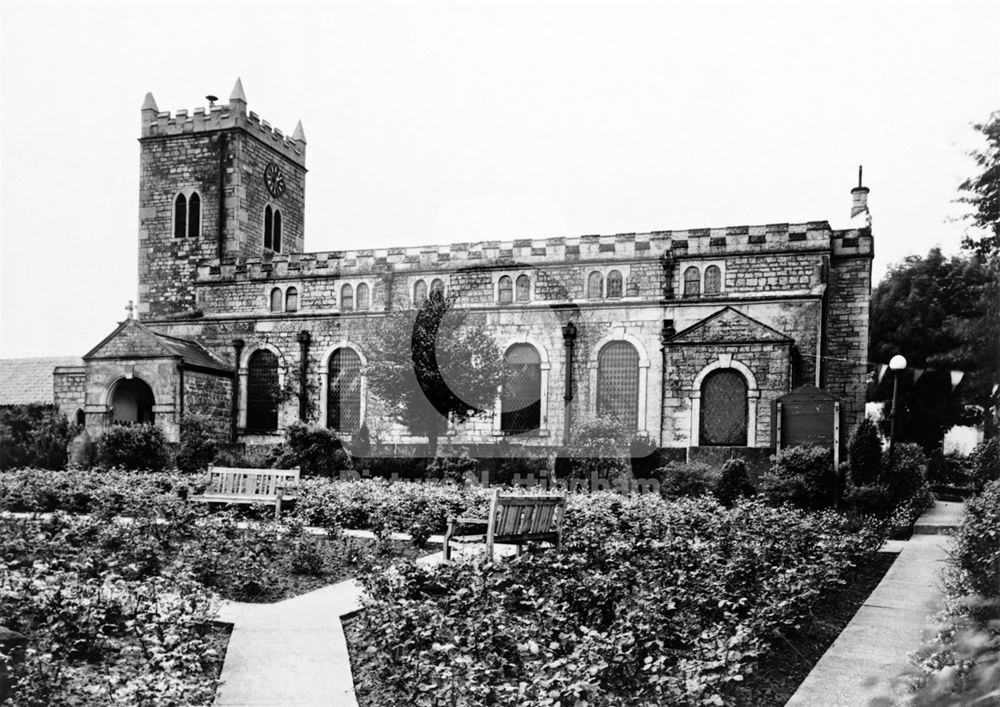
[692, 282]
[521, 397]
[618, 382]
[713, 280]
[361, 298]
[614, 284]
[523, 288]
[343, 401]
[505, 290]
[263, 391]
[723, 409]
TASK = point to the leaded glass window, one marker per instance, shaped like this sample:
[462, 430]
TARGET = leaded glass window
[522, 291]
[595, 285]
[713, 280]
[692, 282]
[346, 298]
[194, 216]
[419, 292]
[263, 391]
[180, 216]
[292, 300]
[614, 284]
[724, 409]
[277, 231]
[361, 297]
[521, 397]
[618, 382]
[276, 299]
[505, 290]
[343, 401]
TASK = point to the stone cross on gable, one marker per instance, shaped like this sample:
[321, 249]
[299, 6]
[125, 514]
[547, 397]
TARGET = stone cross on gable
[130, 308]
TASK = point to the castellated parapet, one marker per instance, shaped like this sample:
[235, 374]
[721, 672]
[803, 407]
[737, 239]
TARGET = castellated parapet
[777, 238]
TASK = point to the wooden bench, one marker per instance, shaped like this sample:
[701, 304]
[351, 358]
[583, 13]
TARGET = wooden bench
[512, 520]
[229, 485]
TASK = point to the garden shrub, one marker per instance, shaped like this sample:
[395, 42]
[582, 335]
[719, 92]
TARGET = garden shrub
[648, 602]
[452, 469]
[33, 436]
[679, 479]
[865, 454]
[977, 543]
[198, 446]
[948, 469]
[315, 450]
[802, 476]
[133, 447]
[907, 473]
[868, 499]
[645, 456]
[599, 446]
[505, 470]
[734, 482]
[984, 463]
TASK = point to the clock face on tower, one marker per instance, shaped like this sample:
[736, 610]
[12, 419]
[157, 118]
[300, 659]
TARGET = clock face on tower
[274, 180]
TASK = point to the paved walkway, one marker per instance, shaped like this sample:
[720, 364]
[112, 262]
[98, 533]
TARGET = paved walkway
[293, 653]
[864, 662]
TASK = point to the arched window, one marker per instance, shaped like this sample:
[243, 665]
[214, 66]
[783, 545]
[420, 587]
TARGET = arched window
[614, 284]
[187, 216]
[618, 382]
[505, 290]
[692, 282]
[346, 298]
[343, 401]
[595, 284]
[361, 299]
[437, 286]
[268, 226]
[276, 299]
[292, 300]
[723, 409]
[180, 216]
[521, 397]
[522, 292]
[272, 229]
[81, 417]
[713, 280]
[194, 216]
[263, 393]
[419, 292]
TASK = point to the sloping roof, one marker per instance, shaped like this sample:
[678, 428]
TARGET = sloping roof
[730, 325]
[133, 339]
[24, 381]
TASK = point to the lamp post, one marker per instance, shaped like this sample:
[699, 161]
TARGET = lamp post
[896, 364]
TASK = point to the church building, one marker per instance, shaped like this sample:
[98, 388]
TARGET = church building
[688, 336]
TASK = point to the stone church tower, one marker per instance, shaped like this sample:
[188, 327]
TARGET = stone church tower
[213, 185]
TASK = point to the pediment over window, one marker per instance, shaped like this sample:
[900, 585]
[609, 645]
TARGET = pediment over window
[729, 326]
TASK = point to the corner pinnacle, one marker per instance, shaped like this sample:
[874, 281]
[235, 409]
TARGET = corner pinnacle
[237, 94]
[299, 134]
[150, 103]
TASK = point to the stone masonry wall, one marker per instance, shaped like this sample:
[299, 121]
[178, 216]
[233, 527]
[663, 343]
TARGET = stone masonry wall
[210, 396]
[68, 389]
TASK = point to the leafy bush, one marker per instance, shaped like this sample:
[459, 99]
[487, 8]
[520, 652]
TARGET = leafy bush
[133, 447]
[33, 436]
[802, 476]
[907, 473]
[734, 482]
[506, 470]
[198, 446]
[648, 602]
[104, 492]
[977, 543]
[678, 479]
[645, 456]
[984, 463]
[869, 499]
[865, 454]
[599, 445]
[453, 469]
[315, 450]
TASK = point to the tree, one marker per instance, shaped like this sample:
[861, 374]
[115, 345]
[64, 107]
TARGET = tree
[982, 192]
[940, 313]
[433, 364]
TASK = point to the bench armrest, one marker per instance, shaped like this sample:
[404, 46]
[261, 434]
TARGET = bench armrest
[466, 520]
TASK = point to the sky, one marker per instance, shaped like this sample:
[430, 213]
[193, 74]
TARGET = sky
[433, 122]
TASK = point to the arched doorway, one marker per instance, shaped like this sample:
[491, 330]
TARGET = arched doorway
[131, 402]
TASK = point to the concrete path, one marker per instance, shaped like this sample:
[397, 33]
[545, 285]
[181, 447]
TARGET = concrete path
[868, 657]
[293, 653]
